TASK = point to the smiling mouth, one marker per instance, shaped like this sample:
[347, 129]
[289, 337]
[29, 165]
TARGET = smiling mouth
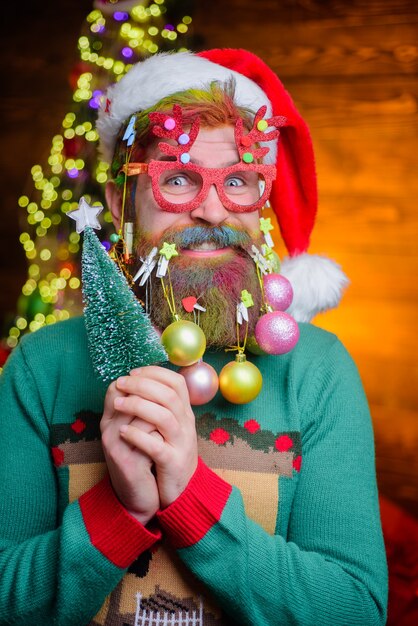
[206, 248]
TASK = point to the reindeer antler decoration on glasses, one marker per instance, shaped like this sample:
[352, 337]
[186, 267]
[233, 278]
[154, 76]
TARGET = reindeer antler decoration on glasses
[179, 185]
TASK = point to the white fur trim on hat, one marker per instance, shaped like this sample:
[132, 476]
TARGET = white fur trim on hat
[162, 75]
[318, 284]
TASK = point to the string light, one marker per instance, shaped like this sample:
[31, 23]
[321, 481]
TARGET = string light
[107, 49]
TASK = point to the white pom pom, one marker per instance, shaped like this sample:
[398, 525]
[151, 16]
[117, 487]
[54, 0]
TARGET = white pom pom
[318, 284]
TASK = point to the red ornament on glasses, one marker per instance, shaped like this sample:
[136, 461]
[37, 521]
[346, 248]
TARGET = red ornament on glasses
[238, 186]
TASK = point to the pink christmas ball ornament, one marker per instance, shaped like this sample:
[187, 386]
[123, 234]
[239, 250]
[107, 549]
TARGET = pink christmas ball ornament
[277, 332]
[278, 291]
[202, 382]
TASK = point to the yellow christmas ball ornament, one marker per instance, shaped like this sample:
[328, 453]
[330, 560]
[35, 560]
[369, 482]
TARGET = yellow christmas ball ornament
[184, 342]
[240, 381]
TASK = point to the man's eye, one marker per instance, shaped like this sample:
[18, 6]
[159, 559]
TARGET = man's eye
[177, 181]
[234, 182]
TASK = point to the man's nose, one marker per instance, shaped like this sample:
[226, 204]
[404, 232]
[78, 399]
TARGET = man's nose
[211, 210]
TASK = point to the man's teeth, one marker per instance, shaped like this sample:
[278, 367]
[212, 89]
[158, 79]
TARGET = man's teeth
[207, 245]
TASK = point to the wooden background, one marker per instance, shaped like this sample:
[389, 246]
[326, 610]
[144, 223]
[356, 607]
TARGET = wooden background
[351, 67]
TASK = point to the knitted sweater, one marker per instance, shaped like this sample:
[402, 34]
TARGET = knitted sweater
[278, 525]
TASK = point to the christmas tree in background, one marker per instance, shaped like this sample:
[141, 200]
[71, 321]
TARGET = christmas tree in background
[116, 34]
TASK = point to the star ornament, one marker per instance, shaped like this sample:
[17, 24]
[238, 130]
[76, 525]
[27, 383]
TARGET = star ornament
[246, 298]
[86, 215]
[168, 250]
[265, 225]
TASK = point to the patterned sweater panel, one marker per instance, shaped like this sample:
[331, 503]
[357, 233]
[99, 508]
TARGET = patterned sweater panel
[253, 537]
[234, 444]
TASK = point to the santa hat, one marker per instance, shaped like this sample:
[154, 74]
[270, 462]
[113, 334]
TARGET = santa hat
[317, 281]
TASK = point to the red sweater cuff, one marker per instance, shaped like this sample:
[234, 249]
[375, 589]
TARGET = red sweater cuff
[113, 531]
[187, 520]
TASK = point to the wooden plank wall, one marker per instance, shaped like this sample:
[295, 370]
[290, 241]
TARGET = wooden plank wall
[351, 67]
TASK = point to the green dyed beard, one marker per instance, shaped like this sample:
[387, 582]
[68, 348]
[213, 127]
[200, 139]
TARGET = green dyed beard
[216, 283]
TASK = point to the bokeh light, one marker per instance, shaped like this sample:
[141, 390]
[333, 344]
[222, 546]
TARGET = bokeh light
[107, 47]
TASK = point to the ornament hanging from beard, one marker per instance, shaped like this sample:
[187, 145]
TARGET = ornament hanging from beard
[216, 282]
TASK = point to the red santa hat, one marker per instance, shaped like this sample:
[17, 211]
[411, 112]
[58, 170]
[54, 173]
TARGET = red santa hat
[317, 281]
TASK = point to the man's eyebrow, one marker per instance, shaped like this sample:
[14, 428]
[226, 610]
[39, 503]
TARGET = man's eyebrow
[198, 162]
[165, 157]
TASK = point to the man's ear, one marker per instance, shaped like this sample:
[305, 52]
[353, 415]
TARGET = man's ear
[114, 202]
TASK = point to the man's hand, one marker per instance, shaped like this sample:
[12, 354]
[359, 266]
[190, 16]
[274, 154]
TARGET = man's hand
[130, 470]
[159, 397]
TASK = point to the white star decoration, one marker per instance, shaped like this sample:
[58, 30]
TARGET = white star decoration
[86, 215]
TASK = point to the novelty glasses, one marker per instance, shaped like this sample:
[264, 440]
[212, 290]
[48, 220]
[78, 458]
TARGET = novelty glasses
[181, 187]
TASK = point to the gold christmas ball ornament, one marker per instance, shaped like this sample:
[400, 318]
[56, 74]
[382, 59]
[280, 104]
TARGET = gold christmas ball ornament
[240, 381]
[184, 342]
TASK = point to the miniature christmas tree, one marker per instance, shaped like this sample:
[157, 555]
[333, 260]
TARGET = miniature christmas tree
[120, 334]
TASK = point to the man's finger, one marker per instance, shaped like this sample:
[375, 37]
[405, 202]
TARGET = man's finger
[155, 391]
[151, 444]
[157, 416]
[166, 377]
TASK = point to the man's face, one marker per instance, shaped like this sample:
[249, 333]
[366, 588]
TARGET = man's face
[213, 243]
[212, 148]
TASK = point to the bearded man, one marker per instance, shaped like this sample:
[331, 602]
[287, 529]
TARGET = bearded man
[151, 511]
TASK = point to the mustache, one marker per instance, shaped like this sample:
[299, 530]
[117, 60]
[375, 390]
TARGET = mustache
[221, 236]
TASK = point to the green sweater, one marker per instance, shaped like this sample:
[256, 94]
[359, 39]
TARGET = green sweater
[279, 524]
